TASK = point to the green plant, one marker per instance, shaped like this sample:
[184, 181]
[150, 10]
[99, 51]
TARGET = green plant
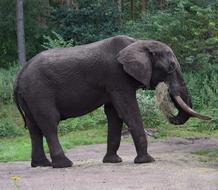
[7, 77]
[8, 128]
[56, 42]
[149, 110]
[89, 21]
[211, 155]
[190, 28]
[91, 120]
[35, 13]
[203, 87]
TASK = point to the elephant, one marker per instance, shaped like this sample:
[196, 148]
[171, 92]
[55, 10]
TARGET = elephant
[65, 83]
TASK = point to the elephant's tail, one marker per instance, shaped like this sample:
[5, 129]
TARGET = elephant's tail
[17, 99]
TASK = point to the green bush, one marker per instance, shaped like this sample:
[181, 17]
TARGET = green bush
[35, 12]
[7, 77]
[8, 128]
[203, 87]
[150, 112]
[89, 22]
[56, 42]
[91, 120]
[189, 28]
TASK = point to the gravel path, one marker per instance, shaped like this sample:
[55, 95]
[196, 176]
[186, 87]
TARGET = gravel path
[175, 168]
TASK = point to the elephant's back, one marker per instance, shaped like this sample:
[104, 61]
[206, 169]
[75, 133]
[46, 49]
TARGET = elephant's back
[93, 63]
[65, 57]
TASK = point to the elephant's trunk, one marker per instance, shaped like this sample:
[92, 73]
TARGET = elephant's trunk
[182, 115]
[182, 101]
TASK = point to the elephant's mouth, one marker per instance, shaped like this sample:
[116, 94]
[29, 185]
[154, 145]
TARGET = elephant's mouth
[168, 100]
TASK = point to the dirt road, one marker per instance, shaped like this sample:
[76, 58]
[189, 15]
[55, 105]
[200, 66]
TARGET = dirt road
[175, 168]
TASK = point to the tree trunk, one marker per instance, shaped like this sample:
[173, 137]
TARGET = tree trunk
[161, 4]
[20, 33]
[119, 5]
[142, 7]
[132, 9]
[68, 2]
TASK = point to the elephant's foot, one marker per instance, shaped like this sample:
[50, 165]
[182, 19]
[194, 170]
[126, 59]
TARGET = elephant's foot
[143, 159]
[112, 159]
[62, 162]
[41, 163]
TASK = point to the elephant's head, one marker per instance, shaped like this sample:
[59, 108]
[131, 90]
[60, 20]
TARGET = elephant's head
[151, 62]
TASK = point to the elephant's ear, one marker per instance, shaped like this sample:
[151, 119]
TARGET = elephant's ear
[136, 62]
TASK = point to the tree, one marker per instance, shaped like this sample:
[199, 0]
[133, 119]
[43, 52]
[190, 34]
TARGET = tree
[119, 5]
[132, 8]
[142, 7]
[20, 33]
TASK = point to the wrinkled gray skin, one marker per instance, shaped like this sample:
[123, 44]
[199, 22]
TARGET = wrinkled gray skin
[69, 82]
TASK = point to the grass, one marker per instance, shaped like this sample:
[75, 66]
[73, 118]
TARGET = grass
[19, 148]
[172, 131]
[89, 129]
[211, 155]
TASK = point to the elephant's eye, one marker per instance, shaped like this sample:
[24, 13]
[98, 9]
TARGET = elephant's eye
[172, 68]
[157, 53]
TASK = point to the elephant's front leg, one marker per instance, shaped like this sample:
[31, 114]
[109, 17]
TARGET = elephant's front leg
[114, 134]
[127, 107]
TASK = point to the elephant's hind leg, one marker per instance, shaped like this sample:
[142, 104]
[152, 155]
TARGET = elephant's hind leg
[47, 118]
[38, 154]
[114, 135]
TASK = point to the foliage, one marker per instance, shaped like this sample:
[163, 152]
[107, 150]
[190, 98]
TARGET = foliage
[7, 31]
[211, 155]
[8, 128]
[91, 120]
[36, 12]
[35, 28]
[85, 24]
[56, 42]
[190, 29]
[203, 87]
[11, 122]
[7, 77]
[19, 148]
[149, 109]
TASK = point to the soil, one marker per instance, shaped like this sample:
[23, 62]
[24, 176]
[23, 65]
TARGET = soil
[175, 168]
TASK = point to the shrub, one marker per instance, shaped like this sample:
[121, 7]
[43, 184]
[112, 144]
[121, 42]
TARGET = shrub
[91, 120]
[7, 77]
[149, 109]
[56, 42]
[189, 28]
[86, 24]
[203, 87]
[8, 128]
[35, 12]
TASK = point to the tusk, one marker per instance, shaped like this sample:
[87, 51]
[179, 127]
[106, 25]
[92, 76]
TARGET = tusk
[188, 110]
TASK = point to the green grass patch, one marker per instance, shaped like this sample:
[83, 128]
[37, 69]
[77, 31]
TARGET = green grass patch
[11, 123]
[19, 148]
[184, 132]
[211, 155]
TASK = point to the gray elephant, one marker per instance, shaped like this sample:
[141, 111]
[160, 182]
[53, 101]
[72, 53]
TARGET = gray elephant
[69, 82]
